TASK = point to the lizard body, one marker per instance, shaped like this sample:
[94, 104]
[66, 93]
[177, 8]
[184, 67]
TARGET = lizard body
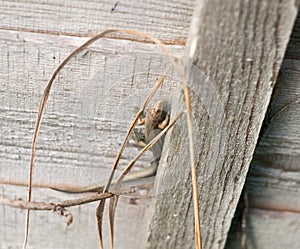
[155, 120]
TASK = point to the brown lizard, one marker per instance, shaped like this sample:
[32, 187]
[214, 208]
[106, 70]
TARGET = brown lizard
[155, 120]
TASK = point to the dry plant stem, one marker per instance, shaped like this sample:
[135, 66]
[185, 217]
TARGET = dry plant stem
[116, 188]
[41, 111]
[296, 101]
[43, 103]
[197, 225]
[52, 206]
[44, 100]
[99, 216]
[134, 122]
[59, 208]
[147, 147]
[198, 242]
[100, 209]
[111, 212]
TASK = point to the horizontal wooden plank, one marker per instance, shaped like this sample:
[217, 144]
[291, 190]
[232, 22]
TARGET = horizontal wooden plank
[82, 233]
[168, 21]
[274, 175]
[268, 229]
[90, 107]
[89, 110]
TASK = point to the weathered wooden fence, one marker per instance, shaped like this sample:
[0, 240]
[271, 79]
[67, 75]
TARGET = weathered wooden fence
[232, 58]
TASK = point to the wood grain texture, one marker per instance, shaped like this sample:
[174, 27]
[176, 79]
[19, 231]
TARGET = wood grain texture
[268, 229]
[92, 102]
[239, 46]
[168, 21]
[89, 110]
[48, 230]
[273, 182]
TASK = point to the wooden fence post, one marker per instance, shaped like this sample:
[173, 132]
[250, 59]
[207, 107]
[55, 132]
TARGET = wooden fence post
[234, 52]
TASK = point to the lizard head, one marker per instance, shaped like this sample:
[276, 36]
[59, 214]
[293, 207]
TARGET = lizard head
[156, 109]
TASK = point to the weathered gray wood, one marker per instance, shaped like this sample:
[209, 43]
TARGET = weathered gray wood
[268, 229]
[48, 230]
[239, 46]
[27, 60]
[273, 182]
[168, 21]
[88, 112]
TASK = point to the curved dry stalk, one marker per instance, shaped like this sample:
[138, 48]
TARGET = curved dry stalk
[283, 108]
[116, 188]
[133, 124]
[198, 242]
[118, 183]
[45, 97]
[113, 169]
[43, 103]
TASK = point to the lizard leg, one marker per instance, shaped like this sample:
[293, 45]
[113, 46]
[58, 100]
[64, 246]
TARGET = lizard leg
[138, 138]
[141, 121]
[164, 123]
[142, 144]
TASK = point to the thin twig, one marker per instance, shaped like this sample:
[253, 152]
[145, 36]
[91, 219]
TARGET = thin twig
[293, 102]
[198, 242]
[114, 166]
[44, 100]
[134, 122]
[41, 111]
[59, 208]
[43, 103]
[92, 197]
[117, 185]
[141, 152]
[19, 203]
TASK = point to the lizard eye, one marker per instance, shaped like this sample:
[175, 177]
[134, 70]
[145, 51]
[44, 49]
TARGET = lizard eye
[158, 110]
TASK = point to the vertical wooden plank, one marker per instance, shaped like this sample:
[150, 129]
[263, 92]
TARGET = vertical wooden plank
[273, 181]
[233, 56]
